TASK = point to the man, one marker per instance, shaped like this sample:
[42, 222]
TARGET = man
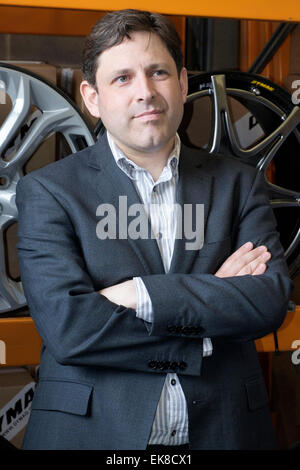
[147, 340]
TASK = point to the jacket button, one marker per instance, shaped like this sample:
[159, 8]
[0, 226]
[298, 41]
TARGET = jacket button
[171, 329]
[152, 364]
[186, 330]
[182, 365]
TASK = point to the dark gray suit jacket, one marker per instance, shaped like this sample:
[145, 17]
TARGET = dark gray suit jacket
[102, 369]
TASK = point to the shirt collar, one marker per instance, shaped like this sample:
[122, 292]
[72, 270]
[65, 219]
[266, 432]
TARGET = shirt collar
[131, 169]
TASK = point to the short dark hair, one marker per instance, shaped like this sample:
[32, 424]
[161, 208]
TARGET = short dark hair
[110, 31]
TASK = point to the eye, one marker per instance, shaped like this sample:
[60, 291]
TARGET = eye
[160, 73]
[122, 79]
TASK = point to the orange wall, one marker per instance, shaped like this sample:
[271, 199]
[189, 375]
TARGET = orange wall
[289, 10]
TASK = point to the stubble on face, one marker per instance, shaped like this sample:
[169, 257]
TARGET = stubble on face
[140, 95]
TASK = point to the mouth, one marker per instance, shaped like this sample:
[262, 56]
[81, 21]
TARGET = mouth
[153, 114]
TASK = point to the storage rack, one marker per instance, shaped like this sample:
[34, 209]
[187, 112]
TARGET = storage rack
[67, 17]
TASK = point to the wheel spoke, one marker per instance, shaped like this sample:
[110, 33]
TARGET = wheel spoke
[11, 292]
[53, 112]
[281, 204]
[241, 94]
[279, 193]
[17, 115]
[293, 245]
[274, 141]
[223, 130]
[71, 129]
[47, 123]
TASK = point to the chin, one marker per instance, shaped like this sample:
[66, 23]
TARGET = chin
[153, 143]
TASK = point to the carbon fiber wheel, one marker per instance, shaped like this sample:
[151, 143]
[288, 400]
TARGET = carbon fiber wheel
[33, 113]
[250, 118]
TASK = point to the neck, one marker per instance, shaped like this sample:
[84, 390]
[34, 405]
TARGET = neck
[154, 162]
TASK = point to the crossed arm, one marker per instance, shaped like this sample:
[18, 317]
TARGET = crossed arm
[245, 260]
[81, 327]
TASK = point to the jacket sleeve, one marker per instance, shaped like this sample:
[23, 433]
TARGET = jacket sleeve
[240, 308]
[77, 324]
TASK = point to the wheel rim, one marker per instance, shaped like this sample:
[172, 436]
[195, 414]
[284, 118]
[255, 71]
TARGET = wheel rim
[279, 143]
[38, 110]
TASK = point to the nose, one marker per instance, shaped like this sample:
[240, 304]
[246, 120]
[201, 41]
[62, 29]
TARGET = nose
[145, 90]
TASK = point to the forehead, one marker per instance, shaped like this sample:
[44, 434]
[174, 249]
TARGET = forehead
[142, 48]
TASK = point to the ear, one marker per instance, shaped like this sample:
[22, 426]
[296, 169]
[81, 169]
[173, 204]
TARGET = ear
[183, 80]
[90, 97]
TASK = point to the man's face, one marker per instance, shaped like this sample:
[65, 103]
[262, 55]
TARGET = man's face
[140, 96]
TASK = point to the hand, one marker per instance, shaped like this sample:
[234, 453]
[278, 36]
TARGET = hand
[245, 260]
[121, 294]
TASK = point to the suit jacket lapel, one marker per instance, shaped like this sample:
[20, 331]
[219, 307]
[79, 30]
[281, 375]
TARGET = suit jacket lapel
[194, 187]
[110, 185]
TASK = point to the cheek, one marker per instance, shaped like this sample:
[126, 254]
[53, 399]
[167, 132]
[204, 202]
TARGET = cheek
[106, 105]
[175, 97]
[176, 105]
[111, 110]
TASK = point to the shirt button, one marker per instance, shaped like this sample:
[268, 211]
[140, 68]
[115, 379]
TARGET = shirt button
[173, 382]
[159, 236]
[173, 433]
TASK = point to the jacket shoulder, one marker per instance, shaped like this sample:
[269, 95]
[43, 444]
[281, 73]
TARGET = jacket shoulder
[69, 168]
[65, 165]
[219, 164]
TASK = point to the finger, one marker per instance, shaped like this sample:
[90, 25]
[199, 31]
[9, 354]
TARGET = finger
[245, 254]
[239, 263]
[242, 264]
[260, 269]
[263, 259]
[252, 266]
[233, 263]
[253, 254]
[242, 250]
[260, 265]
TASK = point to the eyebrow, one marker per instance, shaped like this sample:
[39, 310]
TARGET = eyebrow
[125, 71]
[159, 65]
[120, 72]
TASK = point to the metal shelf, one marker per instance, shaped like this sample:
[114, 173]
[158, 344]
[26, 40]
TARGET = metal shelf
[23, 342]
[289, 10]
